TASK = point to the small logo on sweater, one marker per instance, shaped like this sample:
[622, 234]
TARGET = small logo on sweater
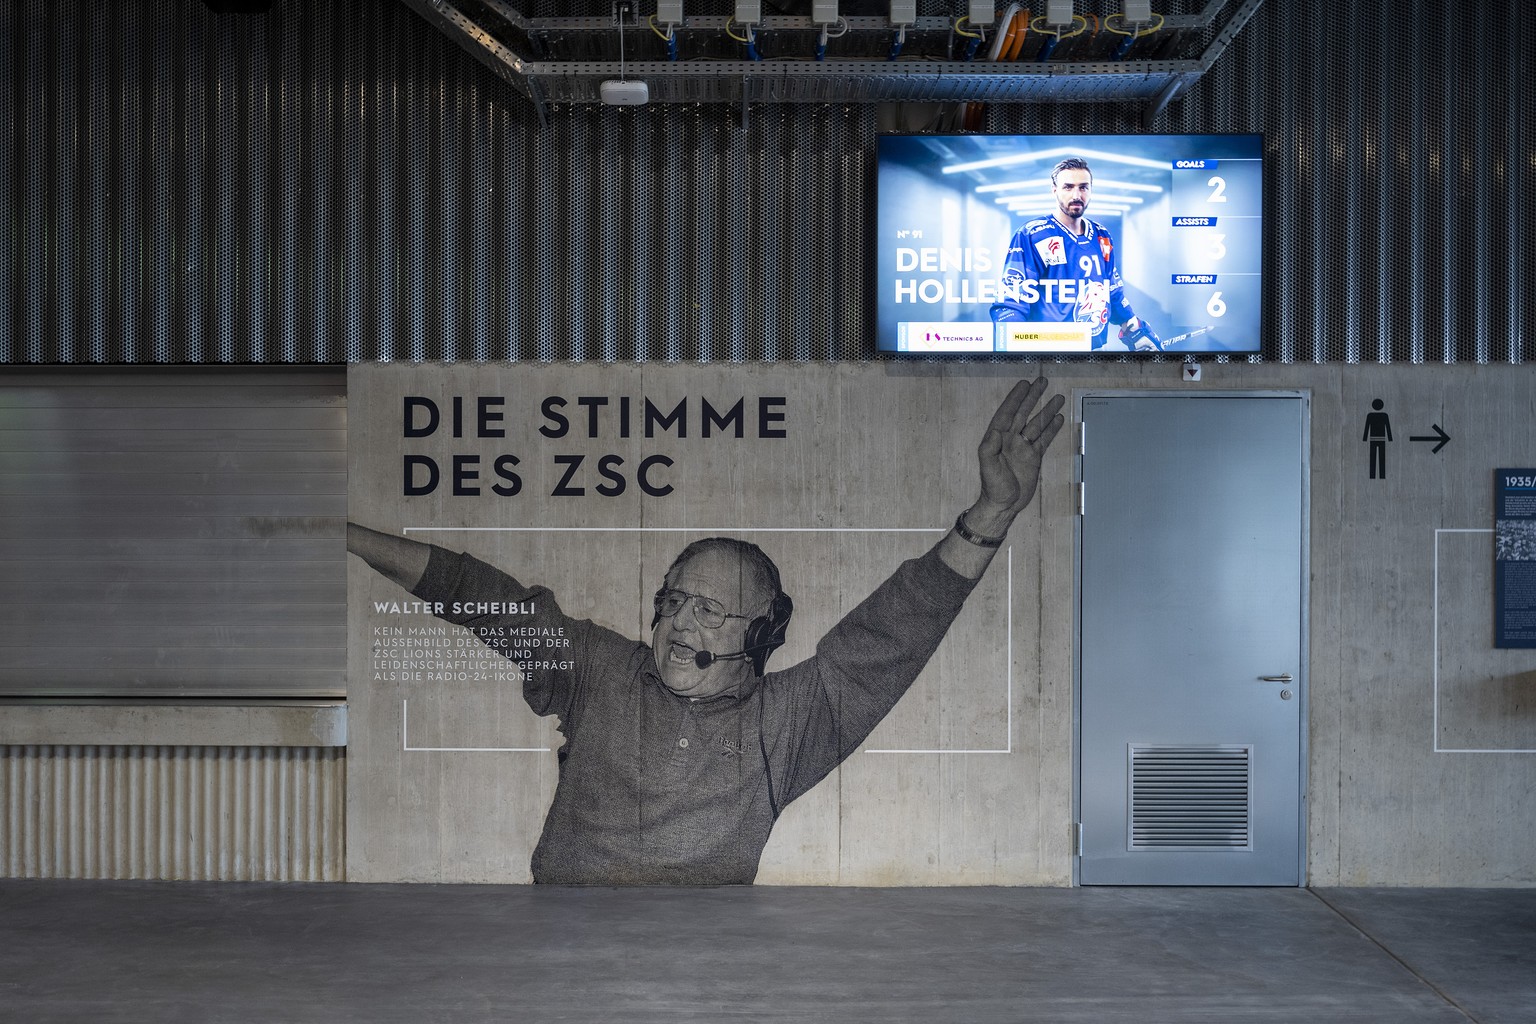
[1052, 254]
[730, 749]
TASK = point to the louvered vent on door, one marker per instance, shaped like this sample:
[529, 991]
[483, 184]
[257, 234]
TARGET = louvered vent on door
[1190, 798]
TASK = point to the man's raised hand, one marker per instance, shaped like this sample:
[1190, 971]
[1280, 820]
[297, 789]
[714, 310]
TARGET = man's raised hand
[1011, 451]
[1009, 456]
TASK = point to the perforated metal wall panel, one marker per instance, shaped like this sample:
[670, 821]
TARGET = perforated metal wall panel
[340, 182]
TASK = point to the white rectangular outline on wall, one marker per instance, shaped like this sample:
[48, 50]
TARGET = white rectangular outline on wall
[405, 742]
[1008, 615]
[1435, 739]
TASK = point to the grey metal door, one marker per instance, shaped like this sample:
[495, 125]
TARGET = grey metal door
[1191, 631]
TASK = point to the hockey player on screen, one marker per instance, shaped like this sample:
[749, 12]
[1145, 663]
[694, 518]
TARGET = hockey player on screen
[1063, 269]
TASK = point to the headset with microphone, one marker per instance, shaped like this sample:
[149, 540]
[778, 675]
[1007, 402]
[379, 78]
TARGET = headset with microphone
[765, 634]
[704, 659]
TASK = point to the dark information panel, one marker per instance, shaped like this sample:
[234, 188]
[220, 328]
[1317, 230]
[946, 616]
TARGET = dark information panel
[1514, 553]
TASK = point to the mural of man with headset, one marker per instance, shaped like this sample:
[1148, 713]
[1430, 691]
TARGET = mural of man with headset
[679, 754]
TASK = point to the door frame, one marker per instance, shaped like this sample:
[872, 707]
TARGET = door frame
[1303, 687]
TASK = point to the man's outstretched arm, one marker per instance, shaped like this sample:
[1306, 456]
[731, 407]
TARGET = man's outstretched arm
[828, 705]
[398, 559]
[1009, 459]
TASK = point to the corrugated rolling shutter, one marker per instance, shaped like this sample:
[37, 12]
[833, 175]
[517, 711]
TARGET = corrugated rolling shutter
[173, 534]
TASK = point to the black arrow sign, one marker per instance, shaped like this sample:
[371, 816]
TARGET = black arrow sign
[1438, 435]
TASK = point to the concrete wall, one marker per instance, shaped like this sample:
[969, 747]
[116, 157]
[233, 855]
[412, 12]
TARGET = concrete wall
[1422, 736]
[862, 452]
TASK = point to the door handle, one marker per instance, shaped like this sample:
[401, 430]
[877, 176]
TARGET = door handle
[1284, 677]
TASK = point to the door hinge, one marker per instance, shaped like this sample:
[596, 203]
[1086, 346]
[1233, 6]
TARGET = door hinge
[1077, 839]
[1082, 437]
[1082, 502]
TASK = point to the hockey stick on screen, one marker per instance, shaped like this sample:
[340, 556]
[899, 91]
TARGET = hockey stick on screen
[1170, 342]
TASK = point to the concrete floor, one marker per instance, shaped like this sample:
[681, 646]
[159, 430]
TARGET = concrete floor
[171, 952]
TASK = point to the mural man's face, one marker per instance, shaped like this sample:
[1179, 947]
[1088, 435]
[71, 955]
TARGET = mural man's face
[714, 578]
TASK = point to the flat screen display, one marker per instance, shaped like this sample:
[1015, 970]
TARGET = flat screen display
[1061, 244]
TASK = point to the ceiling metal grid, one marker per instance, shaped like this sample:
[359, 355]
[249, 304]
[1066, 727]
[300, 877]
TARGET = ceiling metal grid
[333, 183]
[862, 58]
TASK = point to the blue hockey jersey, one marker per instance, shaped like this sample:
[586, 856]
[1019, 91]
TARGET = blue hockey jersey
[1053, 276]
